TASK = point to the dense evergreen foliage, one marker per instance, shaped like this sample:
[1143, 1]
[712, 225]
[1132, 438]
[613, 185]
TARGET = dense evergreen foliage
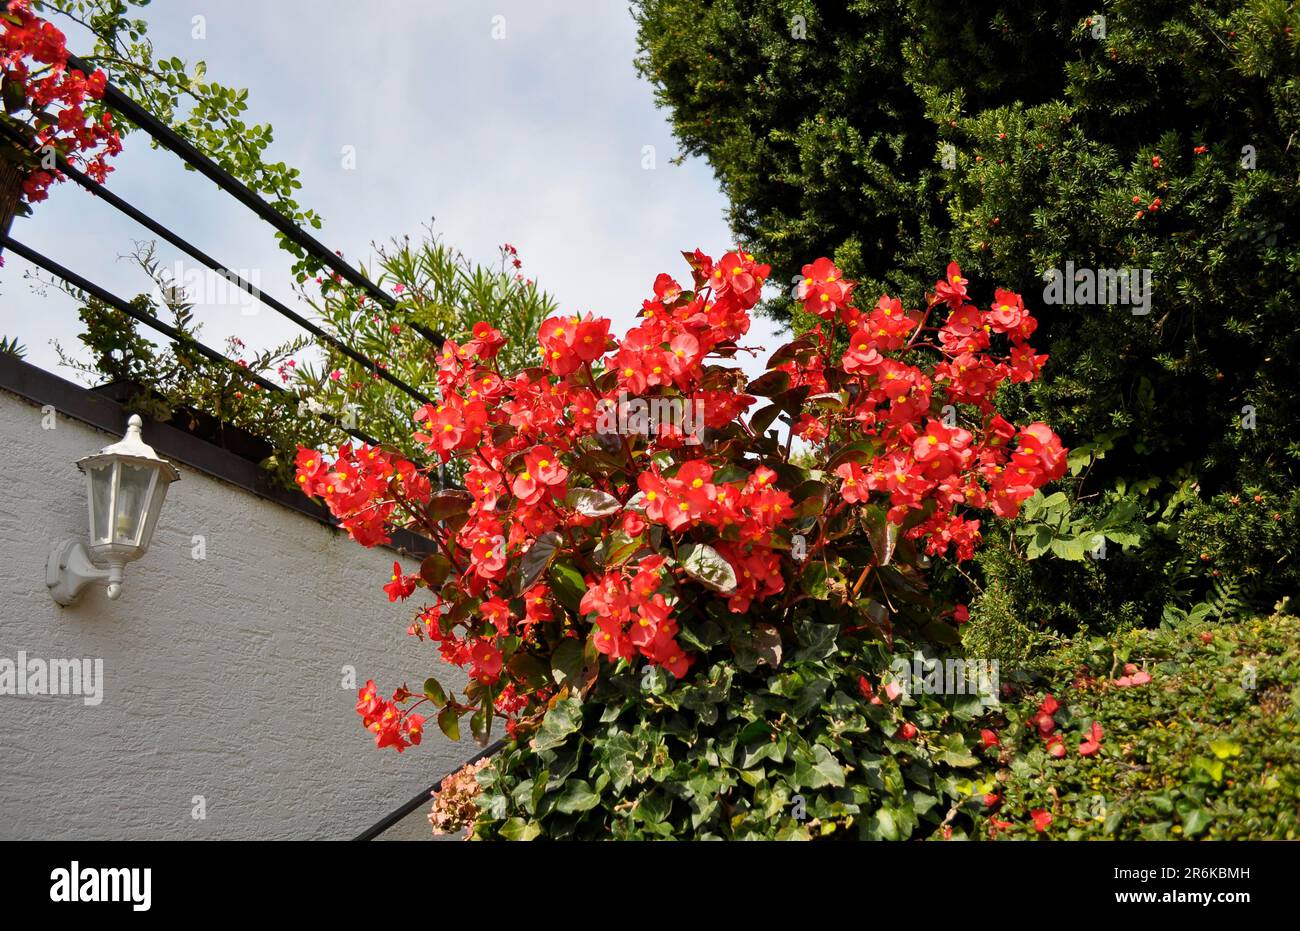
[1016, 138]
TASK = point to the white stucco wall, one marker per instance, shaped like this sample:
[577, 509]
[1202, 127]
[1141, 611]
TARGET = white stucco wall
[222, 676]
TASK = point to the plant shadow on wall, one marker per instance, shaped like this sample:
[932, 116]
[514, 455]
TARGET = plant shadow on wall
[699, 633]
[435, 289]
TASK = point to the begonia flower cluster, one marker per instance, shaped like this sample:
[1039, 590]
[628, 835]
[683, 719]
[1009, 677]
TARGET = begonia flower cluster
[572, 547]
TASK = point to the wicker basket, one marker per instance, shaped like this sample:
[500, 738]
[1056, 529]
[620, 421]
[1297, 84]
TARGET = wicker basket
[12, 173]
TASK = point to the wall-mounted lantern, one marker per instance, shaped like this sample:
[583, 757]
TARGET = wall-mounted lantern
[126, 484]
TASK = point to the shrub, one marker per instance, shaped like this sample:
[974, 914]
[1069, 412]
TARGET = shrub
[683, 587]
[1144, 135]
[1199, 728]
[814, 747]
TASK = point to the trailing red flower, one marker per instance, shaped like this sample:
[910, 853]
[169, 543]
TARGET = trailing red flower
[56, 99]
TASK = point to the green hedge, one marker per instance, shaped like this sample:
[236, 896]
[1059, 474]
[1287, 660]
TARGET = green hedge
[893, 135]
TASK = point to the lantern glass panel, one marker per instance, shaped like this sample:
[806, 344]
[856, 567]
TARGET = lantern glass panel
[100, 478]
[135, 482]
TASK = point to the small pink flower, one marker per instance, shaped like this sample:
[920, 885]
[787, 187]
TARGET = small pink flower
[1133, 676]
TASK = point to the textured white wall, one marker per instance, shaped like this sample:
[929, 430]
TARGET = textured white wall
[222, 676]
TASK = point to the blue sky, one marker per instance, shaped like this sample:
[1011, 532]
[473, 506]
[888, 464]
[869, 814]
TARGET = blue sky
[535, 138]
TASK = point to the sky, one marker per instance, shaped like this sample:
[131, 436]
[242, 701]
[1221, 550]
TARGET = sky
[495, 121]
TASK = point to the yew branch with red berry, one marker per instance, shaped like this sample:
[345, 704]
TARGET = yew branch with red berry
[577, 544]
[47, 104]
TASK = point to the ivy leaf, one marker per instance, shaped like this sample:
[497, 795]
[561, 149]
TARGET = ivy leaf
[1195, 822]
[1212, 768]
[809, 697]
[706, 565]
[652, 809]
[560, 721]
[756, 646]
[817, 641]
[823, 770]
[955, 752]
[1225, 748]
[519, 829]
[576, 797]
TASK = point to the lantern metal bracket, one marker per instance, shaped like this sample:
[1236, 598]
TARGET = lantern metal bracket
[69, 570]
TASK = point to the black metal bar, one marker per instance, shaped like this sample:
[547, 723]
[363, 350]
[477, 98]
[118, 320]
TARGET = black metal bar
[112, 300]
[170, 139]
[423, 798]
[98, 190]
[182, 147]
[95, 189]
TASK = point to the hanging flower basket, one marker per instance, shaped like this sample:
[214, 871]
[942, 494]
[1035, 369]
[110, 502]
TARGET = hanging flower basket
[12, 174]
[48, 109]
